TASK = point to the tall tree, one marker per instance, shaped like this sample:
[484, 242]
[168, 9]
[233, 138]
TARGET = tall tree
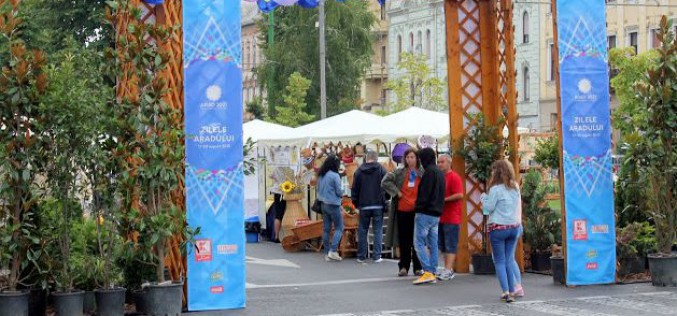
[416, 86]
[296, 49]
[293, 113]
[50, 23]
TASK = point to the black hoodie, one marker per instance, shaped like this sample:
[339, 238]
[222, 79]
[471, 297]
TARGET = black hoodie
[430, 198]
[366, 190]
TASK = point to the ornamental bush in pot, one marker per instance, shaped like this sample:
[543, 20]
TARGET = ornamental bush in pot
[653, 154]
[542, 224]
[23, 84]
[481, 148]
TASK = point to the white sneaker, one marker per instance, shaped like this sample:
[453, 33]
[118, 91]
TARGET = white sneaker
[361, 261]
[334, 256]
[379, 260]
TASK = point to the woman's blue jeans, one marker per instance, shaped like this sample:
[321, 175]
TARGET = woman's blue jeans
[517, 274]
[331, 214]
[503, 243]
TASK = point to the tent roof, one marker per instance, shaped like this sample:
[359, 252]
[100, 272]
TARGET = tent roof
[257, 129]
[414, 122]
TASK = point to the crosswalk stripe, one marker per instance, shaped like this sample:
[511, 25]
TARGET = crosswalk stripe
[555, 309]
[634, 305]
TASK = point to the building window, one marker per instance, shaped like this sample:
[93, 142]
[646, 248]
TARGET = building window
[411, 42]
[254, 58]
[399, 47]
[383, 96]
[419, 42]
[551, 61]
[632, 40]
[655, 42]
[553, 120]
[525, 28]
[383, 13]
[384, 60]
[526, 83]
[611, 42]
[428, 40]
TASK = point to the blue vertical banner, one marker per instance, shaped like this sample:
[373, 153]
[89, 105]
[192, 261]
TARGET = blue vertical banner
[214, 176]
[586, 141]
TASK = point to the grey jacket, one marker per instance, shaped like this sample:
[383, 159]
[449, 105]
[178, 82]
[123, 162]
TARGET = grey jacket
[392, 183]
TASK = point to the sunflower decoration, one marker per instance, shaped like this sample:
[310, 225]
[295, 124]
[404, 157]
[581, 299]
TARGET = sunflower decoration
[348, 207]
[287, 186]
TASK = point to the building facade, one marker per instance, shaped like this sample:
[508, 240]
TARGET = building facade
[630, 23]
[372, 92]
[526, 19]
[251, 54]
[417, 26]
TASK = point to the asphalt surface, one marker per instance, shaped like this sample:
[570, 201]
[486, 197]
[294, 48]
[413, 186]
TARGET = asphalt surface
[281, 283]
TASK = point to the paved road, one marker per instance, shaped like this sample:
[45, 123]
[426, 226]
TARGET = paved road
[280, 283]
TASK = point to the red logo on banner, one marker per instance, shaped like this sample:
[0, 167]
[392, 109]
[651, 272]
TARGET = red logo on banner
[204, 250]
[591, 266]
[580, 229]
[216, 289]
[226, 249]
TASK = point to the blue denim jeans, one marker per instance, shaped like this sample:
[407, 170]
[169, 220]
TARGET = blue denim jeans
[503, 243]
[331, 214]
[366, 216]
[425, 240]
[517, 275]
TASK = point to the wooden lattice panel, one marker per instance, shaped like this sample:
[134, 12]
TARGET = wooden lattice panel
[480, 59]
[168, 14]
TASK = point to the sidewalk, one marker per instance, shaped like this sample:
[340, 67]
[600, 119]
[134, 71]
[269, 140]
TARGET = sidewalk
[303, 283]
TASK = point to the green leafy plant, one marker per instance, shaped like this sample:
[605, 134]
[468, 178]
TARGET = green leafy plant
[542, 224]
[23, 84]
[416, 87]
[652, 151]
[635, 240]
[547, 152]
[293, 113]
[481, 148]
[151, 147]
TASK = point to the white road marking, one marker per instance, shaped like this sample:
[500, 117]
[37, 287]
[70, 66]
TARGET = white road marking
[350, 281]
[273, 262]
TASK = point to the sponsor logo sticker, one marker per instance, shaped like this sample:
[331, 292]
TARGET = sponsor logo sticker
[600, 229]
[204, 250]
[591, 266]
[226, 249]
[580, 229]
[216, 289]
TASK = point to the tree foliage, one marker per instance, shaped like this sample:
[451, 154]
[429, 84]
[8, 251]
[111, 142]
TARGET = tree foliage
[293, 113]
[543, 224]
[652, 151]
[631, 114]
[547, 152]
[481, 147]
[416, 86]
[296, 49]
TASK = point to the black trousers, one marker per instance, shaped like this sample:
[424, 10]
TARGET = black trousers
[405, 226]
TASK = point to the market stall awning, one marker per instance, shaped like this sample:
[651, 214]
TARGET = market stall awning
[257, 129]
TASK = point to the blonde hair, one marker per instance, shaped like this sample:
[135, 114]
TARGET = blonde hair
[502, 172]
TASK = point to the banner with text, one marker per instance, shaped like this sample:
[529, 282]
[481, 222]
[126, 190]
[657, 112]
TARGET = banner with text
[214, 177]
[586, 140]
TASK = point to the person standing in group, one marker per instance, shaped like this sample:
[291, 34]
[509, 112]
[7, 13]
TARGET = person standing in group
[368, 197]
[451, 217]
[402, 184]
[501, 206]
[329, 193]
[428, 208]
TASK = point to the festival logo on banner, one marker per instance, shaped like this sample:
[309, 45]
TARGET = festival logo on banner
[214, 177]
[586, 142]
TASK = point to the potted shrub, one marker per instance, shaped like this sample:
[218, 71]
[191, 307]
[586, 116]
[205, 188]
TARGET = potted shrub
[22, 85]
[481, 148]
[653, 154]
[633, 243]
[150, 150]
[542, 224]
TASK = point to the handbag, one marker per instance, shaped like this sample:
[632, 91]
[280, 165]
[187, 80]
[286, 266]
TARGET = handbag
[317, 206]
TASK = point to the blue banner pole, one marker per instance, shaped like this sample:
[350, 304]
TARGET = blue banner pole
[585, 136]
[214, 177]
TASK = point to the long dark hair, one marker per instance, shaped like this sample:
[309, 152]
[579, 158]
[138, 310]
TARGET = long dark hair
[411, 151]
[332, 163]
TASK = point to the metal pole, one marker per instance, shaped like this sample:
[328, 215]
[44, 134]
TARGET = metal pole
[323, 58]
[271, 43]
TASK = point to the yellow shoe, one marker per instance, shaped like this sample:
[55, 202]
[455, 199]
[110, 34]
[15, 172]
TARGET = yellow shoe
[427, 277]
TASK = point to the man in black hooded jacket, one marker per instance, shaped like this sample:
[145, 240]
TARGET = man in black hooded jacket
[429, 206]
[369, 198]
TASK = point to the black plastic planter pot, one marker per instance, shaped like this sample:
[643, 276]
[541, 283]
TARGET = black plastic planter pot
[90, 302]
[139, 301]
[37, 303]
[483, 264]
[630, 266]
[164, 299]
[663, 270]
[69, 304]
[110, 302]
[540, 261]
[557, 265]
[14, 303]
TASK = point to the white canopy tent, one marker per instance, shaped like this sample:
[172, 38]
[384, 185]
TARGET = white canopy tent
[257, 129]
